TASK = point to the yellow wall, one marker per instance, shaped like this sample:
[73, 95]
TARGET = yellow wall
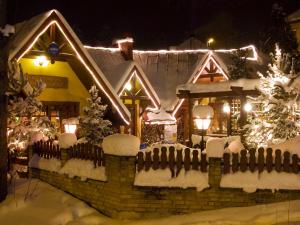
[76, 92]
[296, 27]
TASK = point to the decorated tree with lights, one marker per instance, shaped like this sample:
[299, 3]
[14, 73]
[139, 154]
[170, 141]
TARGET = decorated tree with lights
[24, 109]
[275, 120]
[93, 127]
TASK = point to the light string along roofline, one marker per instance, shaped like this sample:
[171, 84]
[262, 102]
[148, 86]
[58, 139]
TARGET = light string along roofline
[80, 58]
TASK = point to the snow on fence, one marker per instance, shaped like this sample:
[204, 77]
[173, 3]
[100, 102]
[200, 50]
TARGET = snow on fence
[84, 151]
[260, 160]
[87, 151]
[174, 160]
[47, 149]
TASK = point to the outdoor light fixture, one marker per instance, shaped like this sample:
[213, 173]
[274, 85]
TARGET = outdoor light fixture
[41, 61]
[202, 115]
[248, 107]
[210, 41]
[226, 107]
[128, 86]
[70, 125]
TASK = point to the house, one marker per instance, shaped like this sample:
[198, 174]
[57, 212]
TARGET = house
[294, 21]
[160, 72]
[48, 49]
[139, 86]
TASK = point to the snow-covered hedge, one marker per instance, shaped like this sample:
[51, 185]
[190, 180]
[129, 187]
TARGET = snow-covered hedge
[121, 145]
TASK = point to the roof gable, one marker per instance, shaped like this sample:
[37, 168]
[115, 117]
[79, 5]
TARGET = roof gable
[23, 42]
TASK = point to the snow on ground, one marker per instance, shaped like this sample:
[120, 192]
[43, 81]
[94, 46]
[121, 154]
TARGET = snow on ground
[49, 206]
[83, 169]
[163, 178]
[251, 181]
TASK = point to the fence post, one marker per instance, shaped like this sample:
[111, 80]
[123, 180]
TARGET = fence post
[214, 172]
[214, 151]
[30, 154]
[120, 152]
[64, 156]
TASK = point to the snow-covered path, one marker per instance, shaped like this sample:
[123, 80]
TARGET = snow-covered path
[42, 204]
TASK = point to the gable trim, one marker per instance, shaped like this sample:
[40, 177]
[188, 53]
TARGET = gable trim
[197, 74]
[55, 18]
[144, 82]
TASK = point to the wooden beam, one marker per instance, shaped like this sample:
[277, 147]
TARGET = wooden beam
[209, 75]
[191, 122]
[53, 32]
[3, 119]
[186, 94]
[63, 56]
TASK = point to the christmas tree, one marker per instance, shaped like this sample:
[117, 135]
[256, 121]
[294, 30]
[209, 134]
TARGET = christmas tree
[92, 125]
[275, 120]
[23, 110]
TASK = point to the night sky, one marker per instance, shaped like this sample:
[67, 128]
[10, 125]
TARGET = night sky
[159, 23]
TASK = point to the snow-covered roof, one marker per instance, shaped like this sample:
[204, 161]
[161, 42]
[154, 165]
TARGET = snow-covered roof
[295, 16]
[117, 70]
[166, 69]
[222, 86]
[28, 32]
[159, 117]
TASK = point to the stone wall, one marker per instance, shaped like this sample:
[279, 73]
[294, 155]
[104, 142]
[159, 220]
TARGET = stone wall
[119, 198]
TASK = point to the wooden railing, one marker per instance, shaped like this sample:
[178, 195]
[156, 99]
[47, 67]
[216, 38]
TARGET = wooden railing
[46, 149]
[87, 151]
[260, 160]
[174, 160]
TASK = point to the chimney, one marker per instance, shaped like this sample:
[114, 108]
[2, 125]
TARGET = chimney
[126, 47]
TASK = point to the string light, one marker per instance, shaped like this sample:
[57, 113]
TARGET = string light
[80, 58]
[208, 60]
[165, 51]
[134, 73]
[103, 48]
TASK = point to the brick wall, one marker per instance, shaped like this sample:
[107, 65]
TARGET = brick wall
[119, 198]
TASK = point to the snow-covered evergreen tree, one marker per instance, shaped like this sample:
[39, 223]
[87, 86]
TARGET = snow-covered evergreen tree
[92, 125]
[23, 110]
[275, 120]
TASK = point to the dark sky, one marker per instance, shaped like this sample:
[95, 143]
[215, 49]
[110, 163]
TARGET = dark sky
[158, 23]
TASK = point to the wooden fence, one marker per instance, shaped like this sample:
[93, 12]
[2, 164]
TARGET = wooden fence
[87, 151]
[174, 160]
[84, 151]
[46, 149]
[260, 160]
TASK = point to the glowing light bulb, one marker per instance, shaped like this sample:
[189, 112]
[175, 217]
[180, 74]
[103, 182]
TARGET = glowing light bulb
[128, 86]
[248, 107]
[41, 61]
[210, 41]
[226, 107]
